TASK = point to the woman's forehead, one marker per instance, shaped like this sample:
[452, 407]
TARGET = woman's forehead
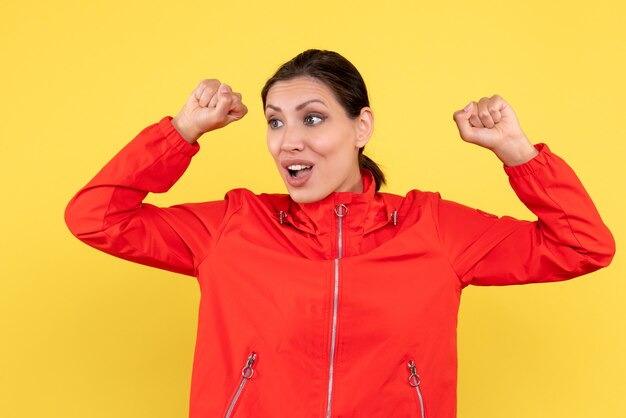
[286, 94]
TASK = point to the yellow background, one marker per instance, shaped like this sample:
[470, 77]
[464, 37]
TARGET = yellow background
[83, 334]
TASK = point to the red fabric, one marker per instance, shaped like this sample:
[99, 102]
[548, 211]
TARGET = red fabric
[268, 287]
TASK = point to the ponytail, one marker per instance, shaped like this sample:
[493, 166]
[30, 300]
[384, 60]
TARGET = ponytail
[369, 164]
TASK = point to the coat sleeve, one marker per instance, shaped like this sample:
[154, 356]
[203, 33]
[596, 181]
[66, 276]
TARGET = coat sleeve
[109, 213]
[567, 240]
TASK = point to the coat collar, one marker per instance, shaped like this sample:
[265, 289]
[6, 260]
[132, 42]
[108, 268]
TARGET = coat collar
[366, 211]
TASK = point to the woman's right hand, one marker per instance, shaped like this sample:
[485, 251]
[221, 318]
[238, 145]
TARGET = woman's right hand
[212, 105]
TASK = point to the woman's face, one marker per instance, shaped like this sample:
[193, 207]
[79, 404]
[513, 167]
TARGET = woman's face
[313, 141]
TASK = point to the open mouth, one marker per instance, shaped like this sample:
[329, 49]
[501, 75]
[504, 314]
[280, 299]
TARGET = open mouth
[298, 170]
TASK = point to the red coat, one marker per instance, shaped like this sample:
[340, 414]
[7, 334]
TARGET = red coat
[346, 307]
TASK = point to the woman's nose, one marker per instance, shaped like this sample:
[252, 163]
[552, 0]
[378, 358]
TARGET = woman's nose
[293, 139]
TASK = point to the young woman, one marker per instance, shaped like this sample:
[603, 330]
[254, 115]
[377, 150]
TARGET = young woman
[335, 300]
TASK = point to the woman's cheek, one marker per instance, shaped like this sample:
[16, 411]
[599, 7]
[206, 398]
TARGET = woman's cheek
[273, 146]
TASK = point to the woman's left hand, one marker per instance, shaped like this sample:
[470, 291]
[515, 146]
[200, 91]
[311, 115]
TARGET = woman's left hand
[492, 123]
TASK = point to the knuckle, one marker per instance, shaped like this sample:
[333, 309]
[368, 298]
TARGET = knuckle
[210, 83]
[457, 117]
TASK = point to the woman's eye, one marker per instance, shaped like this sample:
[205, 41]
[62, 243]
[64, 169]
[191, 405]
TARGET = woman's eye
[274, 123]
[312, 120]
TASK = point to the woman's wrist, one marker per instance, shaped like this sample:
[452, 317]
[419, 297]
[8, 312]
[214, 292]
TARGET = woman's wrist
[516, 152]
[188, 134]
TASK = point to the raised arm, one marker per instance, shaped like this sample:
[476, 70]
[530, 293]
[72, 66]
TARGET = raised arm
[109, 213]
[567, 240]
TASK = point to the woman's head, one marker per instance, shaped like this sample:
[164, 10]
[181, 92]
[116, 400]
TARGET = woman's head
[319, 121]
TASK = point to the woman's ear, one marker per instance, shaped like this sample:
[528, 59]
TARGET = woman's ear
[364, 126]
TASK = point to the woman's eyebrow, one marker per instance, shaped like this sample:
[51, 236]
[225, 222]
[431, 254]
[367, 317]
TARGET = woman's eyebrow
[299, 107]
[303, 105]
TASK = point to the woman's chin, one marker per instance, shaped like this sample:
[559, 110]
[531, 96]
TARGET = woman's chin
[303, 190]
[305, 195]
[301, 196]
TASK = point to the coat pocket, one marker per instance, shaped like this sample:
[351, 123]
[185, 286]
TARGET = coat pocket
[246, 374]
[415, 381]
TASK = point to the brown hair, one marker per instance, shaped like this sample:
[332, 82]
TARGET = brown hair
[344, 80]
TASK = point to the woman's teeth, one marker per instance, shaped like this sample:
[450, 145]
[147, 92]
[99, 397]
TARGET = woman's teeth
[295, 169]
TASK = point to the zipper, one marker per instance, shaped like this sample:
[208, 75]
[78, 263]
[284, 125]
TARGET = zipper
[246, 374]
[415, 380]
[341, 210]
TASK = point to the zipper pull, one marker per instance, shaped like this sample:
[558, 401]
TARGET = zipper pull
[414, 378]
[394, 217]
[341, 210]
[248, 371]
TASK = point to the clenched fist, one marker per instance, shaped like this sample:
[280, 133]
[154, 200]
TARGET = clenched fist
[212, 105]
[492, 123]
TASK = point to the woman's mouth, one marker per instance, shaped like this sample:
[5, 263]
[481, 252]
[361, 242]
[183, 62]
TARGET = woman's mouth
[298, 170]
[298, 173]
